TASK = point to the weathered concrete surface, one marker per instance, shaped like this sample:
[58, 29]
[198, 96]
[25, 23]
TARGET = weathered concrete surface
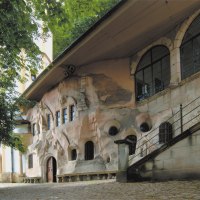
[96, 190]
[179, 161]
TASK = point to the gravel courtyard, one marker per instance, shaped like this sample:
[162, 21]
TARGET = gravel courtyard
[105, 190]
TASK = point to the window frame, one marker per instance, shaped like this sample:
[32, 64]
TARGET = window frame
[65, 119]
[30, 161]
[165, 132]
[185, 42]
[34, 129]
[73, 154]
[89, 150]
[58, 118]
[48, 121]
[72, 112]
[152, 89]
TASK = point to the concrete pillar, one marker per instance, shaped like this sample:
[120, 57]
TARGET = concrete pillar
[20, 164]
[3, 159]
[123, 155]
[0, 163]
[175, 64]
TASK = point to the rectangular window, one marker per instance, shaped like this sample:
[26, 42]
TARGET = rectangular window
[65, 118]
[72, 113]
[30, 161]
[34, 129]
[48, 121]
[58, 118]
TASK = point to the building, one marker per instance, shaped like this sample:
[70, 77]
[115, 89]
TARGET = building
[12, 162]
[132, 79]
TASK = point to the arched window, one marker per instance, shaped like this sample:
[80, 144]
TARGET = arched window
[165, 132]
[89, 150]
[153, 72]
[190, 50]
[132, 140]
[73, 154]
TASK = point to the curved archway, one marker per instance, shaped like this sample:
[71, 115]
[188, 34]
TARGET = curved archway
[89, 150]
[51, 169]
[190, 50]
[165, 132]
[152, 74]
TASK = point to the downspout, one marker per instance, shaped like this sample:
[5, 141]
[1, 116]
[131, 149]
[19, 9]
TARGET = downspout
[12, 165]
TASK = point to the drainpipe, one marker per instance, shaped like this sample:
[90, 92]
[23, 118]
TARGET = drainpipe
[12, 164]
[181, 117]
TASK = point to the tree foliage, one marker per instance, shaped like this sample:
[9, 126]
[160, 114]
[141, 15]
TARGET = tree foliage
[9, 109]
[20, 26]
[80, 15]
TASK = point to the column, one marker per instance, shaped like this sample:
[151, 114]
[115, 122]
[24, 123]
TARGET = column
[20, 164]
[123, 155]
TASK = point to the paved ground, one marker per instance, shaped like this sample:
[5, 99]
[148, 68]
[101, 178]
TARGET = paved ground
[104, 190]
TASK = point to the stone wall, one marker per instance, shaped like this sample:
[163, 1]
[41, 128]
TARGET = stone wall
[103, 94]
[180, 161]
[102, 98]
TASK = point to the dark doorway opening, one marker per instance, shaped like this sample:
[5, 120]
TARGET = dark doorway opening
[89, 150]
[51, 170]
[132, 141]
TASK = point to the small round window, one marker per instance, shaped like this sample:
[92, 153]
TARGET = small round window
[113, 130]
[144, 127]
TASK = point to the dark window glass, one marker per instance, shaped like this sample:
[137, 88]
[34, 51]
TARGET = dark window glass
[145, 62]
[65, 117]
[30, 161]
[144, 127]
[147, 84]
[89, 150]
[132, 140]
[73, 154]
[34, 129]
[48, 121]
[190, 50]
[165, 71]
[153, 72]
[196, 54]
[72, 113]
[58, 118]
[165, 132]
[113, 130]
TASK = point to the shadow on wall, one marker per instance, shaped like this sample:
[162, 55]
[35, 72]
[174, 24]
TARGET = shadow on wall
[109, 91]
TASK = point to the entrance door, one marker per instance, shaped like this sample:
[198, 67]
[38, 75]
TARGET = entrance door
[51, 169]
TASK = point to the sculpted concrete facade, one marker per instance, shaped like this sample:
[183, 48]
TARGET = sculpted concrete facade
[95, 95]
[102, 99]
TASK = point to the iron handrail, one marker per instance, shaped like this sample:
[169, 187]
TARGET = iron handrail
[175, 129]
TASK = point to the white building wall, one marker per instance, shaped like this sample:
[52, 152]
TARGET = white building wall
[16, 161]
[8, 161]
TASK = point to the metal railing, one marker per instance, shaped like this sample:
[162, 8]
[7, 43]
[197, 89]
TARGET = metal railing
[187, 116]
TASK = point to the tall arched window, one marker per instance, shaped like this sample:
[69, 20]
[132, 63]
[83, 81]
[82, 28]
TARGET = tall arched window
[89, 150]
[165, 132]
[153, 72]
[132, 140]
[190, 50]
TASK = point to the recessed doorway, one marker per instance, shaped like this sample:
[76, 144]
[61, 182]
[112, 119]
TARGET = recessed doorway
[51, 170]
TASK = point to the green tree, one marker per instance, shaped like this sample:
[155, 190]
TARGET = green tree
[80, 15]
[19, 28]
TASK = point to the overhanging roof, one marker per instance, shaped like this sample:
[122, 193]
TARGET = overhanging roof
[122, 32]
